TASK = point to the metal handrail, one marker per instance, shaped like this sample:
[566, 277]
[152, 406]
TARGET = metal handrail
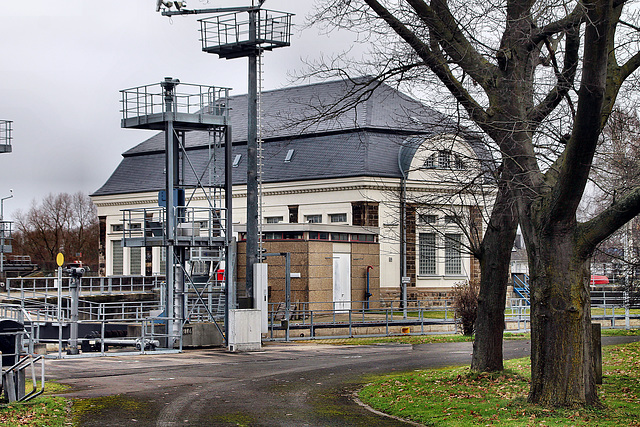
[42, 287]
[188, 98]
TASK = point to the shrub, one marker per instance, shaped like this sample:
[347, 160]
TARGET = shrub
[465, 303]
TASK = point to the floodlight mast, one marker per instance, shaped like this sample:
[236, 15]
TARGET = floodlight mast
[252, 48]
[180, 6]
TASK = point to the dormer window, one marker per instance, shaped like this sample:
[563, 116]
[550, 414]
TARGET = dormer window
[289, 156]
[444, 159]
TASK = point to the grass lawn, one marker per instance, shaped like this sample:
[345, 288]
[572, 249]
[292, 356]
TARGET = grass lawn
[44, 410]
[458, 397]
[442, 338]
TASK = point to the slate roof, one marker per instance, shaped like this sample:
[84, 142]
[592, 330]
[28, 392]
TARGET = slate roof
[359, 137]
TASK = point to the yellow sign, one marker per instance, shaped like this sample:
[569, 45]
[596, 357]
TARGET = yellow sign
[60, 259]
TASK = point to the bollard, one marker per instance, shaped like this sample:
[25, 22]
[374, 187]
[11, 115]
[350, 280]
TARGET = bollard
[596, 348]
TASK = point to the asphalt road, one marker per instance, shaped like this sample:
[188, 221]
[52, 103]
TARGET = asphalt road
[283, 385]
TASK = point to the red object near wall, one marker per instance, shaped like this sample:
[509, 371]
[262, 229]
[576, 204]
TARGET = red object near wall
[599, 280]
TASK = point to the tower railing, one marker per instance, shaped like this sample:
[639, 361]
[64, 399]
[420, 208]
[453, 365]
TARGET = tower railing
[5, 237]
[5, 136]
[191, 99]
[196, 226]
[228, 34]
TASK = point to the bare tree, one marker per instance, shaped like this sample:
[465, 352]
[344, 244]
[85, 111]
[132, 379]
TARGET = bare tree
[540, 80]
[61, 223]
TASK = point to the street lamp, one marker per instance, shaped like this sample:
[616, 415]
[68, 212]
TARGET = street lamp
[2, 204]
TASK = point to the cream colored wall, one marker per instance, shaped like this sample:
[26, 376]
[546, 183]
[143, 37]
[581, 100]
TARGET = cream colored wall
[111, 206]
[313, 197]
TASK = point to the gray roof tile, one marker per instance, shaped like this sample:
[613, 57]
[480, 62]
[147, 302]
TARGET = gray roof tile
[360, 139]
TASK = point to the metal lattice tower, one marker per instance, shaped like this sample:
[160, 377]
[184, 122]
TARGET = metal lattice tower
[185, 230]
[5, 226]
[239, 32]
[5, 136]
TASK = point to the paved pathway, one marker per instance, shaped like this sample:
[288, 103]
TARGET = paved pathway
[283, 385]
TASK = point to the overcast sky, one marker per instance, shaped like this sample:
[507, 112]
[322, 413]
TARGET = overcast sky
[64, 63]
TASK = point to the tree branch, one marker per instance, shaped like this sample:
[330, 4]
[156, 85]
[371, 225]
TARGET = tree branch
[570, 21]
[476, 111]
[444, 27]
[606, 223]
[574, 171]
[565, 78]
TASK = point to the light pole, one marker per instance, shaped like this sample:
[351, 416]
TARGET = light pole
[2, 230]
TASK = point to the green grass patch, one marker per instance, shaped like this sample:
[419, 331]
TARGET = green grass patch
[459, 397]
[44, 410]
[128, 409]
[398, 339]
[620, 332]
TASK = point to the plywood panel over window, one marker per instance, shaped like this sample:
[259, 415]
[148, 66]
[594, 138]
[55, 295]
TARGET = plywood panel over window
[116, 250]
[135, 261]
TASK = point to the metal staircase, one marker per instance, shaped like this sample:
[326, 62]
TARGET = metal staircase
[521, 287]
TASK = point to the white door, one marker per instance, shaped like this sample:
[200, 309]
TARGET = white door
[342, 281]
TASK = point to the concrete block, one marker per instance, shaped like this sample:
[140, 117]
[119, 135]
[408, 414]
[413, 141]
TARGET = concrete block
[201, 335]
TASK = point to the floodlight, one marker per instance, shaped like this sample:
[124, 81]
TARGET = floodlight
[158, 5]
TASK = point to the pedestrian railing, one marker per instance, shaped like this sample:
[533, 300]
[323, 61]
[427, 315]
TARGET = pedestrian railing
[35, 287]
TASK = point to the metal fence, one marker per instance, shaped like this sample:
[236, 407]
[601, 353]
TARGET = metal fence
[41, 287]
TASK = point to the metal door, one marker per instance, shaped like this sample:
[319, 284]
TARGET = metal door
[342, 281]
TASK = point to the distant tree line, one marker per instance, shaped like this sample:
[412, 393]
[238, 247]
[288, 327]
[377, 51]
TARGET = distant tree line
[64, 222]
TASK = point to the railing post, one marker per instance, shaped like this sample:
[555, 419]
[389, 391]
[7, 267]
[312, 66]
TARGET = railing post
[613, 317]
[627, 320]
[102, 338]
[386, 314]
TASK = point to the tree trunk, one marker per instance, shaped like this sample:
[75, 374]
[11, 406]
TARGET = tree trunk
[562, 366]
[496, 248]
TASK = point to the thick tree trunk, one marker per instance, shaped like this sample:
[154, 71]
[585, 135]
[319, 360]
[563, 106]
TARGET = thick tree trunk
[562, 366]
[496, 248]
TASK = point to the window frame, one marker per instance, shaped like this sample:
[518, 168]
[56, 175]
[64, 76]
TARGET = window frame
[427, 254]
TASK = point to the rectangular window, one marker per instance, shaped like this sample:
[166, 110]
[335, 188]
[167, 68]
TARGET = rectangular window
[116, 251]
[340, 236]
[452, 258]
[450, 219]
[427, 252]
[341, 217]
[363, 238]
[292, 235]
[273, 219]
[313, 219]
[293, 214]
[117, 227]
[272, 236]
[428, 219]
[315, 235]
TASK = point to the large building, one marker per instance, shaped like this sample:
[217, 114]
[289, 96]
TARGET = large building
[389, 188]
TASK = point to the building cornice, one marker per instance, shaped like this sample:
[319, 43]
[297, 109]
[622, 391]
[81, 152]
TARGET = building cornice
[151, 198]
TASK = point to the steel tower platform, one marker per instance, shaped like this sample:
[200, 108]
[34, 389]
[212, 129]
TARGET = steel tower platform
[5, 136]
[185, 231]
